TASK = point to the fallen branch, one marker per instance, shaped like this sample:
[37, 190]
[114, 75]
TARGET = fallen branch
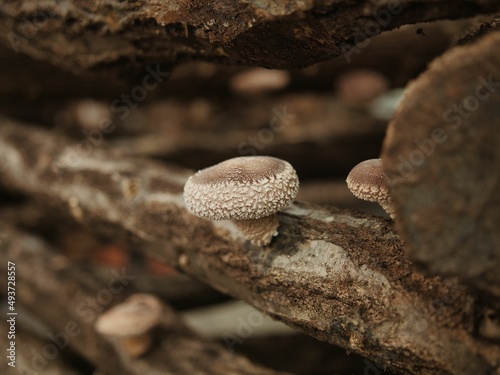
[85, 35]
[338, 276]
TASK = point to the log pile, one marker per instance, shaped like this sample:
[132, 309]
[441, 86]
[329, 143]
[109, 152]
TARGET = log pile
[107, 108]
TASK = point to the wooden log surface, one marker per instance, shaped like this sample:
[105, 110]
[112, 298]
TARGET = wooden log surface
[442, 152]
[85, 35]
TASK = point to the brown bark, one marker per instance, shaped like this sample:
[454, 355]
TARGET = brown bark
[84, 35]
[41, 84]
[338, 276]
[442, 152]
[46, 279]
[477, 28]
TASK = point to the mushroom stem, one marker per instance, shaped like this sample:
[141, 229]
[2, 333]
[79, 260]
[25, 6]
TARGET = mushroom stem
[259, 231]
[388, 207]
[135, 346]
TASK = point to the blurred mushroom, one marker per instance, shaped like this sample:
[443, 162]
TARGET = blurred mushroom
[90, 114]
[130, 322]
[358, 88]
[490, 325]
[368, 181]
[259, 80]
[248, 190]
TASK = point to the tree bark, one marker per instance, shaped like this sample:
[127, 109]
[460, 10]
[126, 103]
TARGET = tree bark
[339, 276]
[442, 152]
[24, 79]
[85, 35]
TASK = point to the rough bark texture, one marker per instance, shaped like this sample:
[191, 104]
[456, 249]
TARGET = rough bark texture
[442, 152]
[85, 35]
[479, 27]
[338, 276]
[46, 279]
[39, 83]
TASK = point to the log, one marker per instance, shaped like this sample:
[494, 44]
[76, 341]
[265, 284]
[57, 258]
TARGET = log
[442, 153]
[124, 36]
[478, 27]
[336, 275]
[43, 85]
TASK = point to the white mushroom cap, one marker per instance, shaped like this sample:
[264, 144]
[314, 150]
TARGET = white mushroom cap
[368, 181]
[241, 188]
[134, 316]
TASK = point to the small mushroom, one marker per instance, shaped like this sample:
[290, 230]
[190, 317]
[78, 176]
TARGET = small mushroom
[130, 322]
[258, 81]
[358, 88]
[490, 325]
[249, 190]
[368, 181]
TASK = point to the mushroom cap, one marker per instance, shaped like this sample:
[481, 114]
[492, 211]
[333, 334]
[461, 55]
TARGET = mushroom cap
[259, 80]
[241, 188]
[359, 87]
[134, 316]
[368, 181]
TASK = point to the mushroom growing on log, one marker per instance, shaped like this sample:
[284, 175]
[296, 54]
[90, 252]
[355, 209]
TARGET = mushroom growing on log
[248, 190]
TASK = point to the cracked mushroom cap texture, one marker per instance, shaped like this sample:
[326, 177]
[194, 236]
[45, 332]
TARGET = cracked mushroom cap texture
[368, 181]
[241, 188]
